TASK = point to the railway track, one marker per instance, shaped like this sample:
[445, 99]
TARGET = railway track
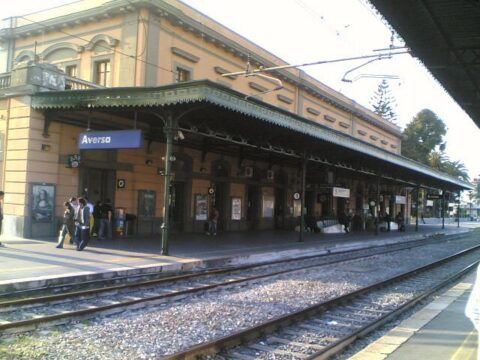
[30, 313]
[327, 328]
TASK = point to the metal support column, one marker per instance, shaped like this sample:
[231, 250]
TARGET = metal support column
[302, 201]
[458, 209]
[443, 209]
[417, 208]
[377, 208]
[169, 132]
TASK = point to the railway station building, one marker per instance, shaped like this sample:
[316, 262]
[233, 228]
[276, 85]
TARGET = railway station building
[126, 100]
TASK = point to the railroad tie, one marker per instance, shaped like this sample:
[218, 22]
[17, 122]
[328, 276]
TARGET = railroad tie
[295, 343]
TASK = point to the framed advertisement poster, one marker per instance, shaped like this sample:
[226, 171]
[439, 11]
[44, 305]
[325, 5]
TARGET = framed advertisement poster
[43, 202]
[236, 208]
[201, 207]
[147, 200]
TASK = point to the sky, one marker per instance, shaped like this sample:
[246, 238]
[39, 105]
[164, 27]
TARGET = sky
[304, 31]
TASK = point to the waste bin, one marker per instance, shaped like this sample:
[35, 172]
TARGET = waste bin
[119, 224]
[129, 223]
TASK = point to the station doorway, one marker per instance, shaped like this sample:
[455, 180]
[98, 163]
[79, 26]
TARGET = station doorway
[97, 184]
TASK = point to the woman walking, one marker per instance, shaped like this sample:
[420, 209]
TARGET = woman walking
[68, 226]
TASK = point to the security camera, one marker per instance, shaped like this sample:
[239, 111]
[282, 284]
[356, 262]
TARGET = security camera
[180, 135]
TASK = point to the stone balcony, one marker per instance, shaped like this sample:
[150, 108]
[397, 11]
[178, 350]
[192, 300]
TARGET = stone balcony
[31, 77]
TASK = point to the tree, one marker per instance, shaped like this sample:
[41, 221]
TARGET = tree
[437, 159]
[383, 102]
[423, 135]
[456, 169]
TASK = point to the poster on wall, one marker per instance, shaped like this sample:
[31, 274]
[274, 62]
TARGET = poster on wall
[146, 203]
[236, 208]
[268, 204]
[42, 206]
[341, 192]
[399, 199]
[201, 207]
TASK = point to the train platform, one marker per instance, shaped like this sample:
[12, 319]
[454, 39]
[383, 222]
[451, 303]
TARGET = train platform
[34, 263]
[439, 331]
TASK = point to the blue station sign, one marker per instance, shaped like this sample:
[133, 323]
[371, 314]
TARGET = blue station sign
[115, 139]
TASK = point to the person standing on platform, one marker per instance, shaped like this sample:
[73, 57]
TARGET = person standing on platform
[68, 226]
[388, 218]
[2, 194]
[91, 208]
[106, 214]
[213, 223]
[344, 220]
[83, 224]
[97, 211]
[399, 221]
[76, 232]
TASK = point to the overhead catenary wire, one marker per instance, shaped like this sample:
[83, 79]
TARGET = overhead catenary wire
[249, 72]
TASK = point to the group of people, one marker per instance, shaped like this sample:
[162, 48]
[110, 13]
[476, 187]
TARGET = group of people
[345, 219]
[83, 220]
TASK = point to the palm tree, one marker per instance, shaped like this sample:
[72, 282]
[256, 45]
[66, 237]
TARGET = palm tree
[437, 159]
[456, 169]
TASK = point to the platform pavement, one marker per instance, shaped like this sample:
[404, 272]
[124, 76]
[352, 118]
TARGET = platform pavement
[439, 331]
[26, 263]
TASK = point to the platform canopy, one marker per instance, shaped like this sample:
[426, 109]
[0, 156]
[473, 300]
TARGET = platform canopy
[445, 36]
[216, 118]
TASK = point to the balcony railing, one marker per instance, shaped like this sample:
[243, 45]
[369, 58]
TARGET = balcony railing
[5, 80]
[71, 83]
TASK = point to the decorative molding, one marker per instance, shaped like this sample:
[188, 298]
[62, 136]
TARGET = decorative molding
[284, 99]
[384, 142]
[25, 54]
[184, 54]
[393, 146]
[362, 132]
[256, 86]
[219, 70]
[77, 48]
[329, 118]
[344, 124]
[373, 137]
[313, 111]
[112, 42]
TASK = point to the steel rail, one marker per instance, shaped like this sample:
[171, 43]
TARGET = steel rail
[30, 324]
[342, 344]
[216, 345]
[217, 271]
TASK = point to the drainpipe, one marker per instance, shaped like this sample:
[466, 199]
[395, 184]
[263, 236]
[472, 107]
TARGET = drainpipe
[168, 130]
